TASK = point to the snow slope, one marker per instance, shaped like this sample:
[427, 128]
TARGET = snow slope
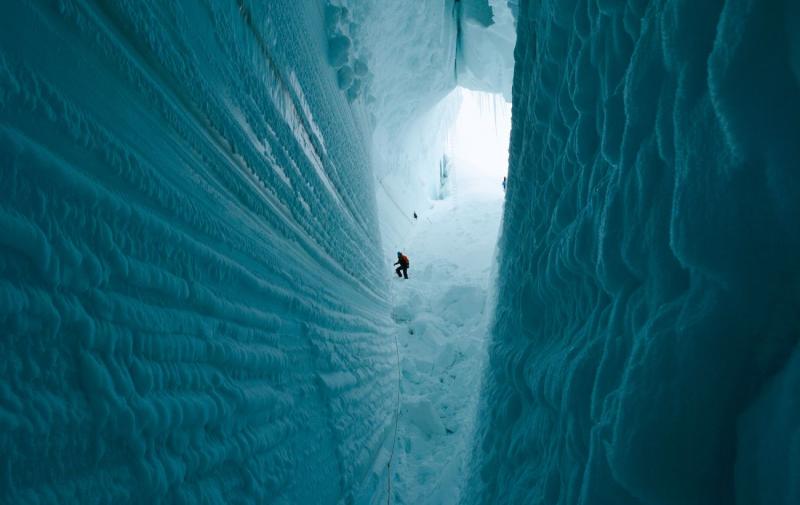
[648, 277]
[192, 292]
[442, 313]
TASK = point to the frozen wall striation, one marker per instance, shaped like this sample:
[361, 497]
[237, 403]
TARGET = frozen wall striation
[191, 300]
[648, 277]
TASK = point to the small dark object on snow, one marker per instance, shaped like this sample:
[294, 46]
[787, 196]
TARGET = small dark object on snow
[402, 260]
[415, 215]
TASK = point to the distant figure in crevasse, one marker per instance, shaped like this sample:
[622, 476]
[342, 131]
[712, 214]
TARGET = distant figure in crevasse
[402, 260]
[504, 183]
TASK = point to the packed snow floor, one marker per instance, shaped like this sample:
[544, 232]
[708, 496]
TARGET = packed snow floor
[441, 316]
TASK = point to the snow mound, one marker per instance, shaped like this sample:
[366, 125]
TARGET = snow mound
[421, 413]
[461, 303]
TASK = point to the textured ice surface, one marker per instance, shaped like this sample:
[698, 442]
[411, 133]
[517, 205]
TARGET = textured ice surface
[648, 282]
[768, 461]
[486, 52]
[192, 300]
[192, 284]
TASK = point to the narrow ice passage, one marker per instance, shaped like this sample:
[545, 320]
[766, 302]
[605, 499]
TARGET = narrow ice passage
[443, 310]
[200, 202]
[441, 317]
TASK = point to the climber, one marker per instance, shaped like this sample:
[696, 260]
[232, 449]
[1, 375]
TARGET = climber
[415, 214]
[504, 183]
[402, 260]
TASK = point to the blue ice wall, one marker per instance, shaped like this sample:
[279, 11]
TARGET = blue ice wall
[191, 288]
[648, 291]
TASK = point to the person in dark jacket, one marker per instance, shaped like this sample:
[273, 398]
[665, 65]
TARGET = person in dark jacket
[402, 260]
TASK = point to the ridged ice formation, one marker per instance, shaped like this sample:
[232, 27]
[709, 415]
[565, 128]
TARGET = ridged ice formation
[649, 268]
[192, 305]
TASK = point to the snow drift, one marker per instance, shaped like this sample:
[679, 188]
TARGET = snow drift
[648, 281]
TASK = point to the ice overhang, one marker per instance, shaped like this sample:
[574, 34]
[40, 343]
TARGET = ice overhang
[401, 58]
[485, 46]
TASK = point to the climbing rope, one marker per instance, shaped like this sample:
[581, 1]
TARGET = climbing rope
[396, 419]
[386, 191]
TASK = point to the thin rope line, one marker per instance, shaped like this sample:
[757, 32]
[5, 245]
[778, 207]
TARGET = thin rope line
[396, 419]
[386, 191]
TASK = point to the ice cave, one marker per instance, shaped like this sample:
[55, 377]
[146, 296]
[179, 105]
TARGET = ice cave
[207, 206]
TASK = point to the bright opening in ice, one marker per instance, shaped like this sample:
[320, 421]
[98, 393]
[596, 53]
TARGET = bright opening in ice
[480, 132]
